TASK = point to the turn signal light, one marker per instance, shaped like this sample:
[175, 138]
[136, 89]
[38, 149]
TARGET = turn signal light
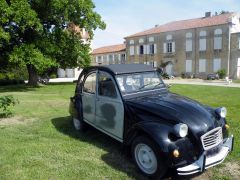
[227, 126]
[176, 153]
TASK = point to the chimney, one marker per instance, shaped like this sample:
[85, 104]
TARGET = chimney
[207, 14]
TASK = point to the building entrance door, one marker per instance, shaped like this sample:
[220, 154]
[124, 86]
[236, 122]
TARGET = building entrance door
[169, 69]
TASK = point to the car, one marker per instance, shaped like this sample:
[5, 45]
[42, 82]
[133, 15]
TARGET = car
[162, 130]
[213, 76]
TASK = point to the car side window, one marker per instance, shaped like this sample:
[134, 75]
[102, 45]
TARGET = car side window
[90, 84]
[106, 86]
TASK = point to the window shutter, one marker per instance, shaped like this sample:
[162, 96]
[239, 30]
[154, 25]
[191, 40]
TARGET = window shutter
[137, 50]
[164, 47]
[148, 49]
[131, 50]
[144, 49]
[188, 65]
[96, 59]
[202, 65]
[188, 45]
[155, 48]
[239, 43]
[216, 65]
[173, 46]
[217, 42]
[202, 44]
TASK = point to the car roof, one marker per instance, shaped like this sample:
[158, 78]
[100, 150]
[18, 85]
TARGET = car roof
[125, 68]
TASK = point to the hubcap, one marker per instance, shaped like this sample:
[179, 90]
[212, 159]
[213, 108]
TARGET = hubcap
[145, 158]
[77, 124]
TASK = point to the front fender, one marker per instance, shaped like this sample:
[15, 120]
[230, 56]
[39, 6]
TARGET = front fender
[158, 132]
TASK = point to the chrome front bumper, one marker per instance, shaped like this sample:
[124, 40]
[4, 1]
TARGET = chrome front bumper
[207, 161]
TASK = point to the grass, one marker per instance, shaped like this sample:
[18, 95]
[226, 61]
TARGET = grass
[40, 142]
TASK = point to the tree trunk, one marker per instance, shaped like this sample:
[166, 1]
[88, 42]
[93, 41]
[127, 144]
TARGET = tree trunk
[32, 75]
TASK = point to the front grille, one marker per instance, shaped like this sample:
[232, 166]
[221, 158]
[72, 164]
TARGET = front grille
[212, 138]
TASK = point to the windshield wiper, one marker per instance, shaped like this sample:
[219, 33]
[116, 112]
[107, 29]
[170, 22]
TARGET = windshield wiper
[149, 85]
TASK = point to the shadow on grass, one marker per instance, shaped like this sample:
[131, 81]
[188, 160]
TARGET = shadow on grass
[61, 83]
[116, 156]
[18, 88]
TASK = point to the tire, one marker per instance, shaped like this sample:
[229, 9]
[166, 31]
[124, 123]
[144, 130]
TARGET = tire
[78, 124]
[148, 158]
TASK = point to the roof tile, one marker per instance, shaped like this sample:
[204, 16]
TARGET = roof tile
[187, 24]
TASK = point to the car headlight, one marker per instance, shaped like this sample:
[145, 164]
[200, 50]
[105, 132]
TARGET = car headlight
[181, 130]
[222, 112]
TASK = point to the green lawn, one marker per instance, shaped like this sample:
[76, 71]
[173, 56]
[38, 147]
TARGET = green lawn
[39, 142]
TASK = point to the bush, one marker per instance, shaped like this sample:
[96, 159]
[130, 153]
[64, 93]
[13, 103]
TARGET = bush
[222, 73]
[6, 82]
[53, 76]
[165, 76]
[6, 102]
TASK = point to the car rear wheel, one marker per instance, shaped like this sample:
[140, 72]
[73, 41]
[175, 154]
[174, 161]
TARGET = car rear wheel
[147, 158]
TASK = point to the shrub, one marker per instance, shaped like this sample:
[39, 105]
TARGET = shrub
[53, 76]
[165, 76]
[222, 73]
[6, 102]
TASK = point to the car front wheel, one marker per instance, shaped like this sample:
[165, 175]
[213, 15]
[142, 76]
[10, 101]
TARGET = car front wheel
[147, 158]
[78, 125]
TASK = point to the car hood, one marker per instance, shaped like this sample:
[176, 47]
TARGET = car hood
[171, 108]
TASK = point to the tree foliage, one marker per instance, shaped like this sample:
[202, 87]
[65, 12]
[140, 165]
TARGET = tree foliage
[35, 33]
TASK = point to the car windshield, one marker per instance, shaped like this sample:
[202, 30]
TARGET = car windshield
[135, 82]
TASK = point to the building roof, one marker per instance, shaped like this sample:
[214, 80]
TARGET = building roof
[128, 68]
[81, 31]
[109, 49]
[187, 24]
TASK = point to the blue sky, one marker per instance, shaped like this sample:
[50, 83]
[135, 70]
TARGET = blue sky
[126, 17]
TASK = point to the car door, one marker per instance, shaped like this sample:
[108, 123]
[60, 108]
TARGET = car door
[109, 106]
[89, 98]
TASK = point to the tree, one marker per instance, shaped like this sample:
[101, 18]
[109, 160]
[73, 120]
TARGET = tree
[35, 33]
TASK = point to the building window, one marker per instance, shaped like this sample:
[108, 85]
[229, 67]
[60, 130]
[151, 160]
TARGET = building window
[189, 66]
[169, 47]
[216, 65]
[202, 41]
[188, 45]
[99, 60]
[151, 39]
[188, 55]
[188, 35]
[141, 49]
[131, 42]
[218, 39]
[151, 49]
[239, 43]
[188, 42]
[111, 59]
[141, 40]
[202, 65]
[169, 37]
[123, 58]
[131, 50]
